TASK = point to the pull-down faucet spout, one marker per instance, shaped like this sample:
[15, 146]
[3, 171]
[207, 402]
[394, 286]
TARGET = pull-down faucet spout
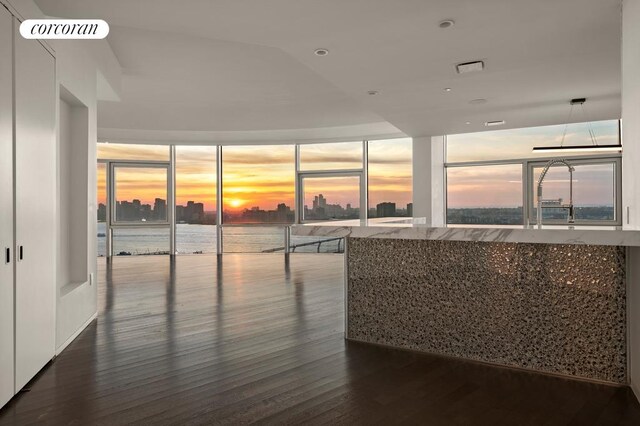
[555, 203]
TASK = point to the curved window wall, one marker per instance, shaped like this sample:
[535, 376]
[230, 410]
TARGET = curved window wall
[243, 198]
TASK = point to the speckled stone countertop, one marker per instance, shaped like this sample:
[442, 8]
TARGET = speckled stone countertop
[555, 308]
[415, 229]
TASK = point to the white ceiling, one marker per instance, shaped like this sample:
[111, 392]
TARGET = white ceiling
[205, 68]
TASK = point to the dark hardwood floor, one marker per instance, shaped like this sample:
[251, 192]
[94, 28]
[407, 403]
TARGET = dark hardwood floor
[257, 339]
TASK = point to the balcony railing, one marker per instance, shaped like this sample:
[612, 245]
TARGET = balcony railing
[236, 238]
[318, 243]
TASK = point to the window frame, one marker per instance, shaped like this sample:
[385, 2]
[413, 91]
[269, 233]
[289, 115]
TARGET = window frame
[362, 190]
[527, 165]
[220, 191]
[484, 164]
[135, 164]
[616, 161]
[170, 165]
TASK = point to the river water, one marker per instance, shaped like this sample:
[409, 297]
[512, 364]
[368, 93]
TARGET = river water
[202, 239]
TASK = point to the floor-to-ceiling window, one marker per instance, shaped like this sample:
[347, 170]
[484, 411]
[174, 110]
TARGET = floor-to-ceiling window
[195, 171]
[137, 216]
[263, 190]
[140, 217]
[492, 176]
[390, 178]
[332, 181]
[258, 187]
[101, 176]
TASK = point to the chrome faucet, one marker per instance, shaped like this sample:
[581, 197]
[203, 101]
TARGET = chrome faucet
[555, 203]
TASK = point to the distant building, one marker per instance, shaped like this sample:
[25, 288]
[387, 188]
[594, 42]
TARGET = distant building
[102, 212]
[410, 209]
[386, 209]
[194, 212]
[282, 214]
[322, 202]
[319, 202]
[322, 210]
[159, 209]
[180, 214]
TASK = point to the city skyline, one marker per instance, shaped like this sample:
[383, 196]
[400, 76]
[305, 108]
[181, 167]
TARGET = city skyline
[264, 176]
[261, 176]
[193, 212]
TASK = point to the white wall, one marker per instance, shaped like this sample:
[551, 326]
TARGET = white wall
[80, 66]
[631, 173]
[428, 179]
[64, 193]
[75, 264]
[77, 74]
[631, 113]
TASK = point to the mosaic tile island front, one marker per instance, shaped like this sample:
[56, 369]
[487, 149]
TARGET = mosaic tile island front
[554, 308]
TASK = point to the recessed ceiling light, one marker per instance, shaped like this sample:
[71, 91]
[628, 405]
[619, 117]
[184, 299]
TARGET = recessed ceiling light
[321, 52]
[494, 123]
[447, 89]
[447, 23]
[479, 101]
[467, 123]
[372, 92]
[472, 66]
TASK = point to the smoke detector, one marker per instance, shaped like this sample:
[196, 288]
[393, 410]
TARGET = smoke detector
[467, 67]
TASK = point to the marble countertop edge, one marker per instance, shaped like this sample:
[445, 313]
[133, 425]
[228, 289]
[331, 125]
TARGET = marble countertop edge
[627, 238]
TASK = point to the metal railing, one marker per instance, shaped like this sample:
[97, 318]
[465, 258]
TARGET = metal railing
[329, 244]
[293, 247]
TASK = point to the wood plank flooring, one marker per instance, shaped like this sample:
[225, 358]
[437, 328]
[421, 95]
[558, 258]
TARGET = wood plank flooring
[254, 338]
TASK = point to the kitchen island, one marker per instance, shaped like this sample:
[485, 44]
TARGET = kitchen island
[552, 300]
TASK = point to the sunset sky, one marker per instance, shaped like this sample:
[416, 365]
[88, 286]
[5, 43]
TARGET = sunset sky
[196, 175]
[501, 186]
[263, 176]
[518, 143]
[257, 176]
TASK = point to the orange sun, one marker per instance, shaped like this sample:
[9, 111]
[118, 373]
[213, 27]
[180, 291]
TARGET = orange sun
[235, 203]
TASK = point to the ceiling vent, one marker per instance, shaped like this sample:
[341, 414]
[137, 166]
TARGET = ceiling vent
[470, 67]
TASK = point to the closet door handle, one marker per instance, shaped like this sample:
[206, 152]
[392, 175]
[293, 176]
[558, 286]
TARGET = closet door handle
[7, 255]
[20, 250]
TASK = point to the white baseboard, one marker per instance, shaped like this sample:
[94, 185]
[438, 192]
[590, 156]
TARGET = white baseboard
[76, 334]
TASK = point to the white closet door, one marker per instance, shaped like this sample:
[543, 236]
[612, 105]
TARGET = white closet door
[35, 193]
[6, 209]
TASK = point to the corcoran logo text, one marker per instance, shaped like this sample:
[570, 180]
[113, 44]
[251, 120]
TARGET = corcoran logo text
[64, 28]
